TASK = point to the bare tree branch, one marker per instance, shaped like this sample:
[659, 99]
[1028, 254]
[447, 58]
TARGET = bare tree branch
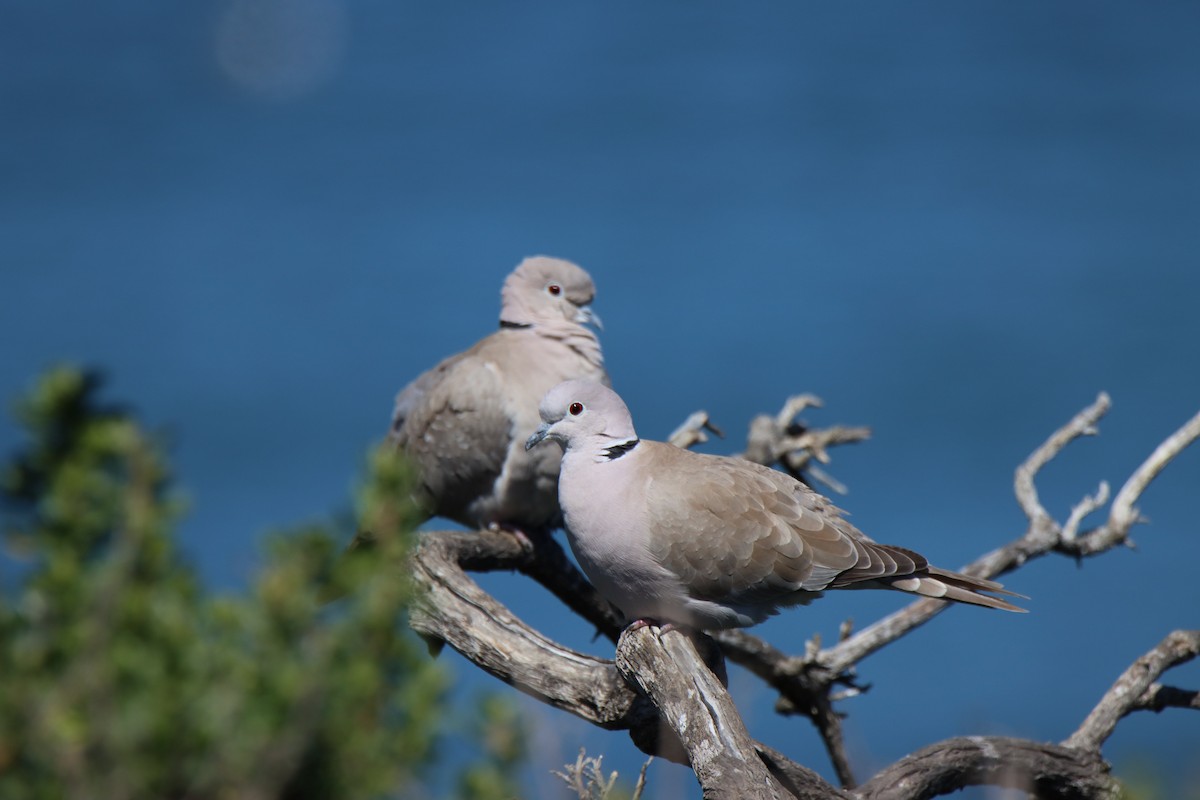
[1124, 515]
[1082, 424]
[1127, 693]
[803, 680]
[704, 727]
[801, 782]
[668, 670]
[782, 440]
[800, 692]
[692, 431]
[1043, 536]
[451, 607]
[1080, 511]
[1159, 697]
[1043, 770]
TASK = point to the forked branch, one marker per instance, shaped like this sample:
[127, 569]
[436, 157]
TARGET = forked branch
[803, 680]
[1136, 689]
[704, 728]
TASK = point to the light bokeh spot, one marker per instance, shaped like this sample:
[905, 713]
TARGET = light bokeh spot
[281, 49]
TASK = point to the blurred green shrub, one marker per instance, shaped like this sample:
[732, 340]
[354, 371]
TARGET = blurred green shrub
[121, 676]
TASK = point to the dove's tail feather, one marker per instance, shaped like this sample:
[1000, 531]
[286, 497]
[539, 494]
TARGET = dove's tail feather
[946, 585]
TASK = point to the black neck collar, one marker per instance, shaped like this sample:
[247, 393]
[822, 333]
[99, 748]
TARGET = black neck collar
[617, 450]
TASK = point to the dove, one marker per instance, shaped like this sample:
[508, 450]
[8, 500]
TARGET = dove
[710, 542]
[463, 422]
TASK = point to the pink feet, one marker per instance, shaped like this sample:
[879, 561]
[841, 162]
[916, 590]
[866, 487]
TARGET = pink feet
[637, 624]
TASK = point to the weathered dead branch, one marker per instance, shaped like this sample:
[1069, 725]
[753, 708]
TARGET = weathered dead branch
[667, 669]
[1135, 689]
[1043, 770]
[703, 727]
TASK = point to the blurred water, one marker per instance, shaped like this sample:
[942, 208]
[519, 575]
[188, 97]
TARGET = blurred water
[955, 223]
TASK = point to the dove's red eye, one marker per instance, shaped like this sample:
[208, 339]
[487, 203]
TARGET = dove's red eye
[554, 289]
[576, 409]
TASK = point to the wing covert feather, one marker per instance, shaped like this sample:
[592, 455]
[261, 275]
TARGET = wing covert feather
[740, 532]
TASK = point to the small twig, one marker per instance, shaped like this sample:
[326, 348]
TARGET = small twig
[781, 440]
[1079, 512]
[831, 483]
[573, 776]
[692, 431]
[1159, 697]
[1123, 514]
[640, 786]
[1125, 695]
[829, 726]
[587, 779]
[797, 454]
[1082, 424]
[814, 444]
[794, 406]
[842, 656]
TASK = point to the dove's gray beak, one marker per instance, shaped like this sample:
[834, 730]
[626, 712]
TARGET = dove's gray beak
[538, 436]
[584, 315]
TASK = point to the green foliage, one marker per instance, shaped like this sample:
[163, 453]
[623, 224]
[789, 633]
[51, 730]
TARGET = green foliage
[1142, 779]
[124, 678]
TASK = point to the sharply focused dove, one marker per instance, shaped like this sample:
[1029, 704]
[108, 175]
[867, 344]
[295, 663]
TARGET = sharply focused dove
[709, 542]
[464, 422]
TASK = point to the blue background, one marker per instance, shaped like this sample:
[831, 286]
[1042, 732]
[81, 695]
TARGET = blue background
[954, 222]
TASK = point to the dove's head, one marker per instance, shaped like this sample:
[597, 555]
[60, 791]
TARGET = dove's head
[575, 412]
[543, 289]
